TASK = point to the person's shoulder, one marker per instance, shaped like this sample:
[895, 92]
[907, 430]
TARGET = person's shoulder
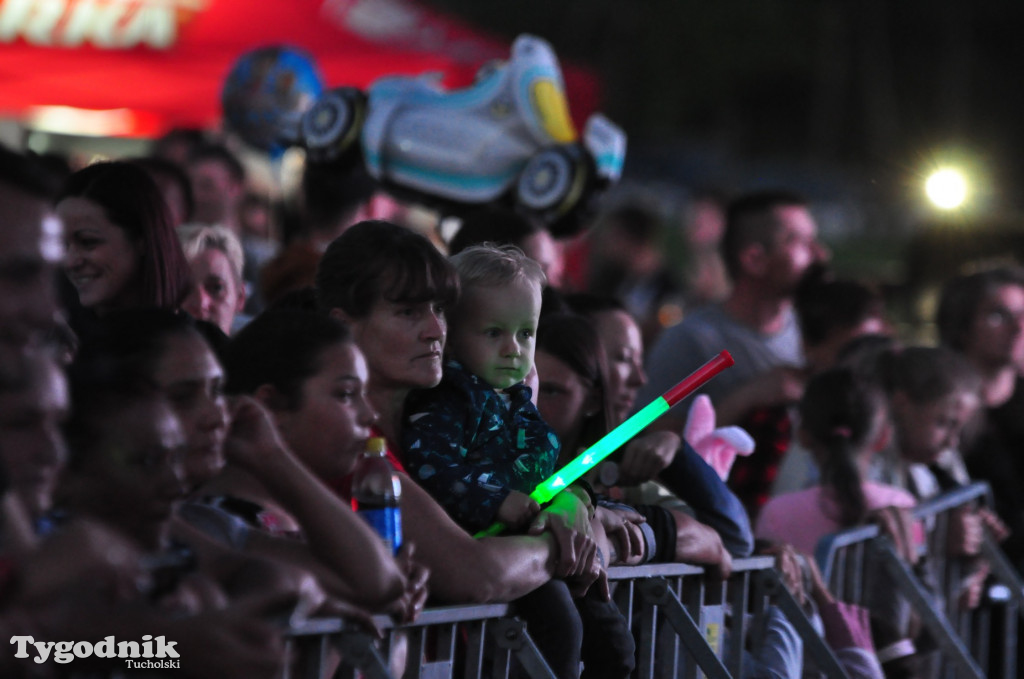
[792, 500]
[783, 508]
[700, 327]
[885, 495]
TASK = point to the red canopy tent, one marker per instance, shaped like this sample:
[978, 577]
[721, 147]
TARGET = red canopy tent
[161, 63]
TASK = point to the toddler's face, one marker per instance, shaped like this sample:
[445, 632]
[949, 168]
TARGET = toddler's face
[494, 334]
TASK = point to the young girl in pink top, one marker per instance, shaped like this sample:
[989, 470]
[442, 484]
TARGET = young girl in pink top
[843, 422]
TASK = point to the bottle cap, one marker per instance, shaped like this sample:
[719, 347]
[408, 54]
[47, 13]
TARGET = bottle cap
[376, 445]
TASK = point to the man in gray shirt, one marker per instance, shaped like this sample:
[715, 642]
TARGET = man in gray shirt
[770, 241]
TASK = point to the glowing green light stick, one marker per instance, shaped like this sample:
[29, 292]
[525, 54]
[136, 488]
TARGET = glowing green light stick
[621, 434]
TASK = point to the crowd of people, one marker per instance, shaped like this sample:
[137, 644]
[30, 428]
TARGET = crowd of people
[184, 398]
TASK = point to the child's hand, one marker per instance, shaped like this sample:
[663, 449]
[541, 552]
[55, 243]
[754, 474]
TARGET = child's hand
[990, 520]
[965, 533]
[517, 509]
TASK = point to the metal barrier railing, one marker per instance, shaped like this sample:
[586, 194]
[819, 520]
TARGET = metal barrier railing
[686, 623]
[464, 641]
[860, 560]
[702, 613]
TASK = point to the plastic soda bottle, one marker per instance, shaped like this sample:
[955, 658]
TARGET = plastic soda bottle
[377, 493]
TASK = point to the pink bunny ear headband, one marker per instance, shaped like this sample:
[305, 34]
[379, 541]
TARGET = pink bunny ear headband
[718, 447]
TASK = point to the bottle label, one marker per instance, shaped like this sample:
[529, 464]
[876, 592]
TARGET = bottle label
[387, 521]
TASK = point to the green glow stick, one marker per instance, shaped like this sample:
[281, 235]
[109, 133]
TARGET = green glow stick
[614, 439]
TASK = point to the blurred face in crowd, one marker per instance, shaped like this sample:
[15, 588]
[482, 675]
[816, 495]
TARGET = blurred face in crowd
[32, 450]
[134, 474]
[31, 249]
[925, 430]
[564, 398]
[102, 262]
[624, 350]
[215, 192]
[496, 332]
[996, 334]
[190, 377]
[546, 251]
[402, 341]
[217, 295]
[330, 427]
[795, 247]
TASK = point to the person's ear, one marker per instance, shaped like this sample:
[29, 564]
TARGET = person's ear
[337, 314]
[240, 302]
[592, 404]
[753, 260]
[883, 437]
[898, 403]
[270, 397]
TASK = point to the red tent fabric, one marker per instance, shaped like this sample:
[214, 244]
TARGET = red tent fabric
[164, 61]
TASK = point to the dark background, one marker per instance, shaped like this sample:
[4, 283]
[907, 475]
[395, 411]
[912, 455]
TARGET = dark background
[866, 94]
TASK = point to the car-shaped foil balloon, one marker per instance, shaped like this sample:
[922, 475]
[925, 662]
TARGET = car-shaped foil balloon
[507, 137]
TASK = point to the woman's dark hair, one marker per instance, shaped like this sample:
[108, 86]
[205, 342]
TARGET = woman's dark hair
[841, 413]
[281, 348]
[376, 260]
[98, 389]
[115, 367]
[589, 304]
[134, 338]
[926, 374]
[163, 171]
[961, 298]
[131, 200]
[493, 224]
[825, 305]
[573, 340]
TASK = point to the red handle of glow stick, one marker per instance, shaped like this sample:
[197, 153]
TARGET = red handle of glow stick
[698, 377]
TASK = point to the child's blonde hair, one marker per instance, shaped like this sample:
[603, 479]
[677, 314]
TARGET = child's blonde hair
[490, 265]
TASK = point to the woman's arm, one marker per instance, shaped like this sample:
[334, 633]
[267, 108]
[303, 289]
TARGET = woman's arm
[697, 484]
[465, 570]
[339, 538]
[699, 544]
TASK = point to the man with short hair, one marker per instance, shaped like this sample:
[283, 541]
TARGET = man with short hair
[770, 241]
[218, 186]
[31, 250]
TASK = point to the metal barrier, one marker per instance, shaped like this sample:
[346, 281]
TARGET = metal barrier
[686, 622]
[703, 613]
[451, 641]
[860, 560]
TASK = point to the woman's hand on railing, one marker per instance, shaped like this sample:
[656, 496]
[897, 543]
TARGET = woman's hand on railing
[622, 526]
[408, 607]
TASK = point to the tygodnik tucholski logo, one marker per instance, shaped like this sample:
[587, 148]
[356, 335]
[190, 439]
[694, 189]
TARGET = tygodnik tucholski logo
[152, 653]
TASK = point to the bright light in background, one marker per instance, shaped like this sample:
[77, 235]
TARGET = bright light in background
[119, 122]
[946, 188]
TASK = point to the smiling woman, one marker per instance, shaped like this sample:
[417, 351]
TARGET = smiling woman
[121, 249]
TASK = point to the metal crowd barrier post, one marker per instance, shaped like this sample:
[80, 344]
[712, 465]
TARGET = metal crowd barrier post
[963, 636]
